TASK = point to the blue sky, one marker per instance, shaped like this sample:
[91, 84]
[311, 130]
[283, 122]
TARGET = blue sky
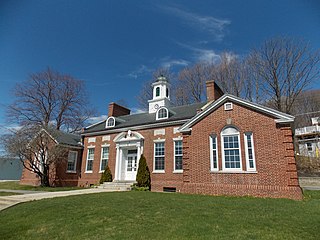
[114, 45]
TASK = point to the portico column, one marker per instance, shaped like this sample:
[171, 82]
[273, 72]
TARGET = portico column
[116, 172]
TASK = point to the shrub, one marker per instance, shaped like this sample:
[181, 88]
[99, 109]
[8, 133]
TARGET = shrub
[136, 188]
[106, 175]
[143, 175]
[308, 166]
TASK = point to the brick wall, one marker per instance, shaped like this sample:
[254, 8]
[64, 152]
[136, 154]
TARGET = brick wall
[276, 174]
[58, 175]
[159, 180]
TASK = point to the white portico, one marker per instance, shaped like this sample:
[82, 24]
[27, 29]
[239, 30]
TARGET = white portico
[129, 147]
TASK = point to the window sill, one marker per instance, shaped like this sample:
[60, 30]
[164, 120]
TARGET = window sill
[178, 171]
[158, 171]
[101, 171]
[71, 171]
[238, 171]
[88, 172]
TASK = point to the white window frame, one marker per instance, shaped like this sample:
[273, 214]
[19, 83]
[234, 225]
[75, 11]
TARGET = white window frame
[212, 168]
[75, 162]
[228, 106]
[246, 135]
[156, 92]
[222, 149]
[107, 122]
[101, 159]
[89, 171]
[154, 156]
[174, 155]
[157, 114]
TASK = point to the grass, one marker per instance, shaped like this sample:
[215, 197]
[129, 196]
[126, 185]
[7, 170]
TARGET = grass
[148, 215]
[8, 193]
[14, 185]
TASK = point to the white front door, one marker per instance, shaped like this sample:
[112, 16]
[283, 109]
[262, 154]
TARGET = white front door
[131, 165]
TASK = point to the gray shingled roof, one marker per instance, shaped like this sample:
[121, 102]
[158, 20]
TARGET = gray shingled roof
[176, 113]
[66, 138]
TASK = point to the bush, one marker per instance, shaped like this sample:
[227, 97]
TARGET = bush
[143, 175]
[136, 188]
[308, 166]
[106, 175]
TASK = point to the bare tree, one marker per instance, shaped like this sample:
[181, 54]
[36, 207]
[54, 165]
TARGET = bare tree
[146, 91]
[306, 106]
[50, 98]
[284, 67]
[191, 81]
[231, 73]
[36, 150]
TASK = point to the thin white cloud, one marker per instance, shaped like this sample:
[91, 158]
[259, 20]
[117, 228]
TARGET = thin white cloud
[96, 119]
[141, 70]
[215, 26]
[167, 62]
[137, 110]
[202, 55]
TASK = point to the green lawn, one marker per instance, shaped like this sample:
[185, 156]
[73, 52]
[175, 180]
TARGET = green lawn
[148, 215]
[8, 193]
[14, 185]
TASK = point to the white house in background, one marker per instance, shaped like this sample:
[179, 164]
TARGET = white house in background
[309, 139]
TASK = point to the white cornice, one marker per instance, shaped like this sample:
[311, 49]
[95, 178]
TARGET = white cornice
[281, 117]
[140, 127]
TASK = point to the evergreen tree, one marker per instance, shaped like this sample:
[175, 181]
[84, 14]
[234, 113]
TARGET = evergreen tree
[143, 175]
[106, 175]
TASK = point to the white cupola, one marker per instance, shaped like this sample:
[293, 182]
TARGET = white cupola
[160, 93]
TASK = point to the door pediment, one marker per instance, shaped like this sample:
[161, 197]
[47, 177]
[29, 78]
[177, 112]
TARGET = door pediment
[128, 136]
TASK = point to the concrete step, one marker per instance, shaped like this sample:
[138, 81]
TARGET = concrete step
[117, 186]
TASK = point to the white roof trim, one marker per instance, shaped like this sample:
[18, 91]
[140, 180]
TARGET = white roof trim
[281, 117]
[138, 127]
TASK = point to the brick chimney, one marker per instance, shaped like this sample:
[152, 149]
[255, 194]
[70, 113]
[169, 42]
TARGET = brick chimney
[116, 110]
[213, 91]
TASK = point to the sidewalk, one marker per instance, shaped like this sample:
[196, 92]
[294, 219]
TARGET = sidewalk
[9, 201]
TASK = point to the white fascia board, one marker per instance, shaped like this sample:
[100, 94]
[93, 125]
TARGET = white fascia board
[284, 120]
[282, 117]
[132, 128]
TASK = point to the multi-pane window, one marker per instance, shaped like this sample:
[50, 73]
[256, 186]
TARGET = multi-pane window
[162, 113]
[214, 152]
[104, 158]
[231, 149]
[178, 155]
[72, 161]
[250, 152]
[90, 157]
[111, 122]
[159, 153]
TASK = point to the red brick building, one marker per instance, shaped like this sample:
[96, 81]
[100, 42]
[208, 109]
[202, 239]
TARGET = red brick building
[63, 171]
[226, 146]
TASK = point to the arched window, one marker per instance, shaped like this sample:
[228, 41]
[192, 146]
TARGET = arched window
[110, 122]
[167, 92]
[162, 113]
[157, 91]
[231, 151]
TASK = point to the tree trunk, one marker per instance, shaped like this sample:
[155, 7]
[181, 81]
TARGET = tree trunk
[45, 178]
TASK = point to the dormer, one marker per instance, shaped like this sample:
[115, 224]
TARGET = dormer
[110, 122]
[162, 113]
[160, 94]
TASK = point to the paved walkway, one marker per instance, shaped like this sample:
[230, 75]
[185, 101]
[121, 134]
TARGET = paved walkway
[9, 201]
